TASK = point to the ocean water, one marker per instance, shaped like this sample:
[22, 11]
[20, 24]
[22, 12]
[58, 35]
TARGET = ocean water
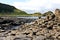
[29, 17]
[25, 18]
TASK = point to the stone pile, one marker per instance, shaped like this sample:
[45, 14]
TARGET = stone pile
[42, 29]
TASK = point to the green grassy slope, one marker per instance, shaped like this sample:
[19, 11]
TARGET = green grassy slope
[8, 10]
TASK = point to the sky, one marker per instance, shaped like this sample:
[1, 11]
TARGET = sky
[31, 6]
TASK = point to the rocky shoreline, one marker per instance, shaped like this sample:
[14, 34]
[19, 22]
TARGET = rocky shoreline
[42, 29]
[9, 23]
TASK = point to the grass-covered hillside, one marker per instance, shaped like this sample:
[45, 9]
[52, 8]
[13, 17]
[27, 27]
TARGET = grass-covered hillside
[6, 9]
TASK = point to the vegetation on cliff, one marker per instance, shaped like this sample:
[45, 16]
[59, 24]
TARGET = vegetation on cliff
[6, 9]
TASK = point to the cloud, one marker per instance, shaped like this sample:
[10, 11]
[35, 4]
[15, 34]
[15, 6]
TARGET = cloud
[37, 5]
[55, 1]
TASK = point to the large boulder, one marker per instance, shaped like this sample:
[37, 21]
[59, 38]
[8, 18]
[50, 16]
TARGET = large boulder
[57, 12]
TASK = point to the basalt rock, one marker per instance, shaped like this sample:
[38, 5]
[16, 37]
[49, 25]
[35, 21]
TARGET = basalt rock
[47, 28]
[57, 12]
[43, 28]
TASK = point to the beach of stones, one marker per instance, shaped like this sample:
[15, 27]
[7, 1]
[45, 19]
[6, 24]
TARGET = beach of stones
[47, 28]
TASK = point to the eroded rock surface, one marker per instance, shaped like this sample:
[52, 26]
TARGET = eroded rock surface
[42, 29]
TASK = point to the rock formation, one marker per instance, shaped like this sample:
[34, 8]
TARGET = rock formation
[42, 29]
[57, 12]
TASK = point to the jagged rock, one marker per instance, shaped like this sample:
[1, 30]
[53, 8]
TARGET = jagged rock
[57, 12]
[47, 28]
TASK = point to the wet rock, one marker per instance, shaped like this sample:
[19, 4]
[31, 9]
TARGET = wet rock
[6, 21]
[5, 26]
[14, 24]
